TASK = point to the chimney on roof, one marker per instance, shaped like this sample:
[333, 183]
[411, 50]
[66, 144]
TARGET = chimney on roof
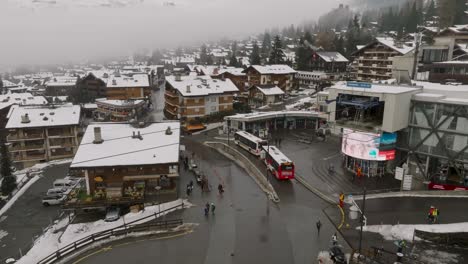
[114, 82]
[168, 131]
[25, 119]
[178, 77]
[97, 136]
[188, 88]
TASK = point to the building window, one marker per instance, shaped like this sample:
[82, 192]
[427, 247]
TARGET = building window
[197, 110]
[213, 99]
[213, 108]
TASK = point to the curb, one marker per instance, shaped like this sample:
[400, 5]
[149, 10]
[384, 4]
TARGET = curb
[321, 195]
[416, 194]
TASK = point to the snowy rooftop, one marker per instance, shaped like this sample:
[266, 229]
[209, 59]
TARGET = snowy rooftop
[201, 86]
[390, 42]
[21, 99]
[266, 115]
[377, 88]
[273, 69]
[43, 116]
[119, 148]
[62, 81]
[121, 81]
[119, 102]
[8, 84]
[331, 56]
[269, 89]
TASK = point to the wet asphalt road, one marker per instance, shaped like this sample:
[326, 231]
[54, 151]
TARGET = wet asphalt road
[26, 219]
[246, 224]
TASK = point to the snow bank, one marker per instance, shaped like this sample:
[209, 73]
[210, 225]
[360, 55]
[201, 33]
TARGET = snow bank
[455, 194]
[405, 232]
[52, 240]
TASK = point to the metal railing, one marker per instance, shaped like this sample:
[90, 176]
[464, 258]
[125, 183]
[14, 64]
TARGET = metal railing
[124, 229]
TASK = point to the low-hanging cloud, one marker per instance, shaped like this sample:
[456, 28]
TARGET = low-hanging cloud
[51, 31]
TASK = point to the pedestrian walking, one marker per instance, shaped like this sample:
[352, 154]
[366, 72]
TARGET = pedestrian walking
[189, 190]
[334, 240]
[319, 225]
[207, 206]
[220, 189]
[279, 142]
[206, 211]
[213, 207]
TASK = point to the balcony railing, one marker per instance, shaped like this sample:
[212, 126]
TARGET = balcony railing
[28, 136]
[28, 157]
[26, 147]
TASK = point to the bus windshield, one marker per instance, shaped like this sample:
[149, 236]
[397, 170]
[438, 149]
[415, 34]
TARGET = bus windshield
[287, 167]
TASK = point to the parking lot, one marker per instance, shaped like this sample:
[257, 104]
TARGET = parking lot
[27, 218]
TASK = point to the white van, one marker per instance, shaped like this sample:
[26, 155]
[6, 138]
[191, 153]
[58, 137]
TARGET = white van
[57, 191]
[64, 183]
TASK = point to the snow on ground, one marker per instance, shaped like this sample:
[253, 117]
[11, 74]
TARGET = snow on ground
[52, 240]
[405, 232]
[18, 194]
[209, 127]
[300, 102]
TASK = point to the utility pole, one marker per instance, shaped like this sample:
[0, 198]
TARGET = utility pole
[362, 221]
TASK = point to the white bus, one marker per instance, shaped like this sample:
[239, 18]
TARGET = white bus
[249, 142]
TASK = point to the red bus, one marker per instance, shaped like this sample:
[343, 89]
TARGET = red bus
[279, 165]
[249, 142]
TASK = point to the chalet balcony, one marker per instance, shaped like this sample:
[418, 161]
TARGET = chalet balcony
[27, 156]
[61, 152]
[25, 136]
[170, 94]
[60, 132]
[26, 147]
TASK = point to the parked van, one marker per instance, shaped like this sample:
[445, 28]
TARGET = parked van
[64, 183]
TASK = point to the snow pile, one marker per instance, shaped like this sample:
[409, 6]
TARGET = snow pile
[405, 232]
[324, 258]
[3, 234]
[300, 103]
[52, 240]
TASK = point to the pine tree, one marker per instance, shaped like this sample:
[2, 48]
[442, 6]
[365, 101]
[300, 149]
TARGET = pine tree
[255, 55]
[276, 54]
[412, 19]
[1, 82]
[447, 12]
[266, 45]
[430, 11]
[203, 55]
[9, 180]
[233, 60]
[459, 13]
[339, 44]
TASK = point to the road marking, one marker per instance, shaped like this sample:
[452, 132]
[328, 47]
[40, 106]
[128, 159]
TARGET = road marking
[109, 248]
[332, 156]
[342, 216]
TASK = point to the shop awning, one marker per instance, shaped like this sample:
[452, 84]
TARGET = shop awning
[196, 127]
[148, 177]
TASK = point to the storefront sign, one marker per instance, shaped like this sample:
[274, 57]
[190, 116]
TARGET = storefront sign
[399, 173]
[446, 187]
[359, 85]
[407, 182]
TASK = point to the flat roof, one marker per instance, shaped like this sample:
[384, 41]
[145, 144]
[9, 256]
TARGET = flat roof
[377, 88]
[7, 100]
[201, 85]
[62, 81]
[269, 89]
[43, 116]
[122, 81]
[119, 102]
[256, 116]
[120, 149]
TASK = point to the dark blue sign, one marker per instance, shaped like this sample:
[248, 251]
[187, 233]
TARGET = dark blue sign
[359, 85]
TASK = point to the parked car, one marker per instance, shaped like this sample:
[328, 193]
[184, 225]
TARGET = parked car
[57, 191]
[112, 214]
[64, 183]
[53, 199]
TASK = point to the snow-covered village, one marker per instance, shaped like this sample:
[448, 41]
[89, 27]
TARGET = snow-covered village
[234, 131]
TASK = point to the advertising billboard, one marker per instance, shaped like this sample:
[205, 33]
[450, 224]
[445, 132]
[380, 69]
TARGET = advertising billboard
[367, 146]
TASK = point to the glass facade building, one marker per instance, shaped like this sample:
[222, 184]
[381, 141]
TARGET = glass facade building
[435, 144]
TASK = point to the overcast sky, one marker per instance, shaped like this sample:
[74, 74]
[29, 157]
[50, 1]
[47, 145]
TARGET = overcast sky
[50, 31]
